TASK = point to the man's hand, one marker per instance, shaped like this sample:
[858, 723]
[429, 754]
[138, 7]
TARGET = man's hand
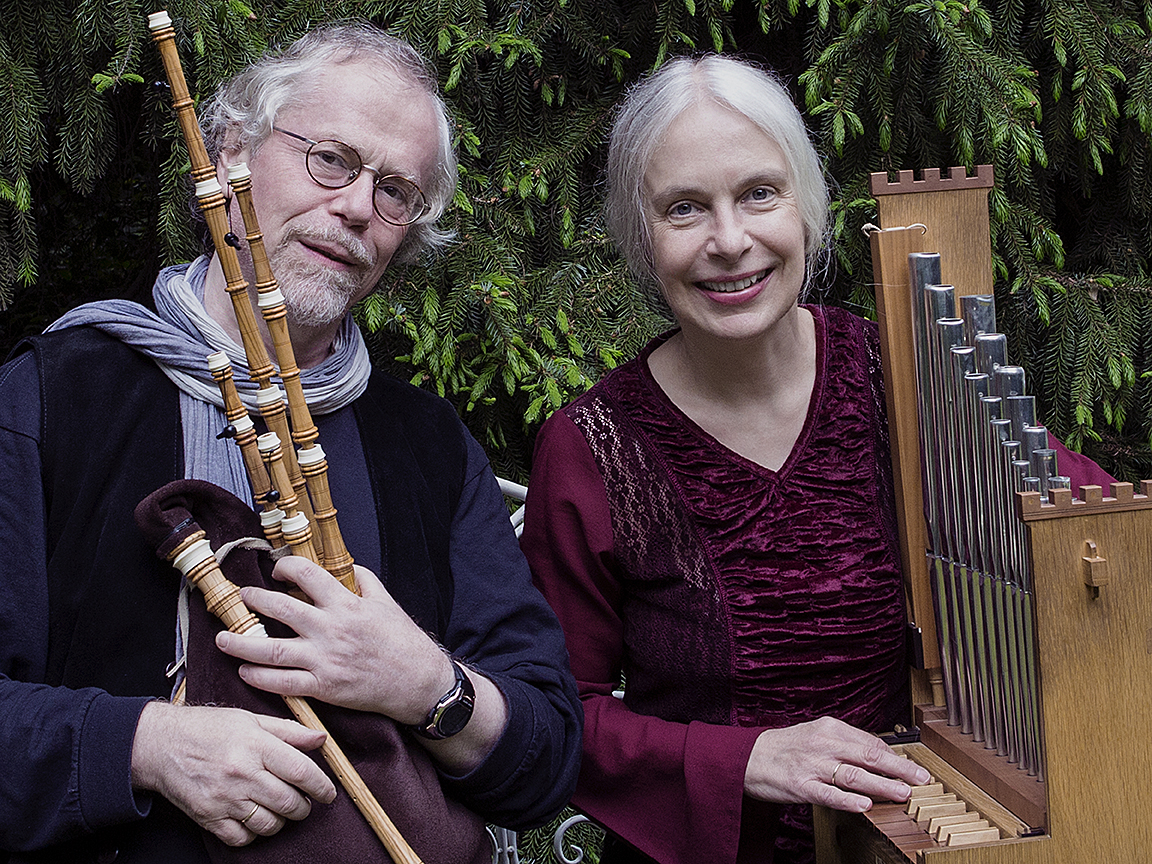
[361, 652]
[799, 764]
[234, 773]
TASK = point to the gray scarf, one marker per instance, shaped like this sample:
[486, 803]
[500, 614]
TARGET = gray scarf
[179, 339]
[182, 335]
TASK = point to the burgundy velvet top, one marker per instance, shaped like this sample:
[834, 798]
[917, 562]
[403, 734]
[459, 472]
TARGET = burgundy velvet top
[732, 598]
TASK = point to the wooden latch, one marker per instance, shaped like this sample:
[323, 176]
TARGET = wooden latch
[1095, 568]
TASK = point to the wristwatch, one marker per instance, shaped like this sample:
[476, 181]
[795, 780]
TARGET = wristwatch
[452, 713]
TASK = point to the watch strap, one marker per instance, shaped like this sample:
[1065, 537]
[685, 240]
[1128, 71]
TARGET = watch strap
[452, 711]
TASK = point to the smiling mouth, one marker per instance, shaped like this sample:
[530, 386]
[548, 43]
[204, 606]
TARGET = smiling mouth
[733, 287]
[338, 247]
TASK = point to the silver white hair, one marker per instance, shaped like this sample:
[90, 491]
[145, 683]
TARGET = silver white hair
[243, 110]
[649, 109]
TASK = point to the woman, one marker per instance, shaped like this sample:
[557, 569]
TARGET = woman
[713, 520]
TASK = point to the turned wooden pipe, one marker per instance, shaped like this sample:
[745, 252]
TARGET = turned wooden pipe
[313, 466]
[210, 198]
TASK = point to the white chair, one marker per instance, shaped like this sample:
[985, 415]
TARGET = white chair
[518, 493]
[505, 843]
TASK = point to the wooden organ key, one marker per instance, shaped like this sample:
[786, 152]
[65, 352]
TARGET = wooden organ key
[946, 813]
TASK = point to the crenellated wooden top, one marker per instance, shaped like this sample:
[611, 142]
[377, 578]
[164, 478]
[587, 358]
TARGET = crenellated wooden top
[931, 180]
[1092, 500]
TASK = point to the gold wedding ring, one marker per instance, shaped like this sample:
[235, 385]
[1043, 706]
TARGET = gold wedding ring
[839, 765]
[256, 807]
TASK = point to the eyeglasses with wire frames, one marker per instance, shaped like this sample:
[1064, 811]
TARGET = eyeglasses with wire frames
[334, 165]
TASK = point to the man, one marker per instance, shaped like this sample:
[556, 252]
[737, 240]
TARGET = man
[112, 404]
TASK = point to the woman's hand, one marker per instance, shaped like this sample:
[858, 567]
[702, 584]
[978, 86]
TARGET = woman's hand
[830, 763]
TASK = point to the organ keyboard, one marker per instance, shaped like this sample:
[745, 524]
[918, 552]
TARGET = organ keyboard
[948, 812]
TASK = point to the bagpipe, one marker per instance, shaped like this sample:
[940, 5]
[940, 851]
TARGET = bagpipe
[188, 521]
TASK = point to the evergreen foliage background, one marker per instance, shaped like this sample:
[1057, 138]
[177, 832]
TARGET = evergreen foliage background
[532, 305]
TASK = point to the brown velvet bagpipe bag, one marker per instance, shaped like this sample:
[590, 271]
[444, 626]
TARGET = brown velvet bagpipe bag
[397, 770]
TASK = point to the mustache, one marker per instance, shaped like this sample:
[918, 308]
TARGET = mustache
[356, 250]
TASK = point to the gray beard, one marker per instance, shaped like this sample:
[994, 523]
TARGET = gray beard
[315, 296]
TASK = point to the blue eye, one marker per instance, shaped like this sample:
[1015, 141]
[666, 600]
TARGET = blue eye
[761, 193]
[683, 208]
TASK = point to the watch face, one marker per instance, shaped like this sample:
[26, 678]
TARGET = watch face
[454, 718]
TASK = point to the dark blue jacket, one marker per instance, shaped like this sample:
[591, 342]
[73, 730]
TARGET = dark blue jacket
[88, 427]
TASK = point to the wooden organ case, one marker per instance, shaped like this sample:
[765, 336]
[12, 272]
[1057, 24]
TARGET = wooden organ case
[1091, 566]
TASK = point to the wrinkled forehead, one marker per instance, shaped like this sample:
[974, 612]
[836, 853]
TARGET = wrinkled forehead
[391, 120]
[357, 85]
